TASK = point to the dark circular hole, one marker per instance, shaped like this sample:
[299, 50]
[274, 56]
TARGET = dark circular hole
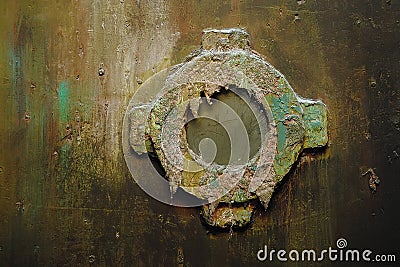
[239, 100]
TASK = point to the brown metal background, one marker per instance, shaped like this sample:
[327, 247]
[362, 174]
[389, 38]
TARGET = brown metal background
[73, 203]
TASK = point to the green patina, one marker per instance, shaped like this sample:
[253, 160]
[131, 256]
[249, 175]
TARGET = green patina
[279, 110]
[240, 196]
[316, 124]
[281, 137]
[63, 103]
[283, 108]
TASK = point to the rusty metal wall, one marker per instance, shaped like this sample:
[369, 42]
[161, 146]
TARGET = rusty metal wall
[66, 197]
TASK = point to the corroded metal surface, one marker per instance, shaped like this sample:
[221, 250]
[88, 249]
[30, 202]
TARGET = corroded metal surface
[66, 197]
[285, 123]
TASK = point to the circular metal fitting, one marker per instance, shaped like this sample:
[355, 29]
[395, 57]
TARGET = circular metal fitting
[224, 126]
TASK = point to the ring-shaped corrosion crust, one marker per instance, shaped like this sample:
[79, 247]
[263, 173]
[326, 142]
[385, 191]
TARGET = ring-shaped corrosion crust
[157, 116]
[246, 69]
[192, 81]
